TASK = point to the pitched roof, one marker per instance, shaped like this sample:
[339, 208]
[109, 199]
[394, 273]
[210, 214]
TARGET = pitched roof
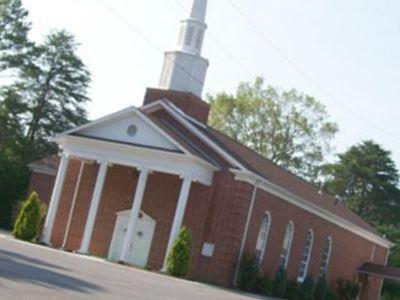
[285, 179]
[382, 271]
[270, 171]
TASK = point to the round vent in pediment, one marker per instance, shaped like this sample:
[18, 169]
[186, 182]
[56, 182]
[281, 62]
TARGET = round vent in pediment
[132, 130]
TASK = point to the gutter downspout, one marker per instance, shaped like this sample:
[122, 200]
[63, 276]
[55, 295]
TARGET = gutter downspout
[246, 229]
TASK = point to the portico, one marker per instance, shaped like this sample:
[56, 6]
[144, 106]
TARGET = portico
[88, 144]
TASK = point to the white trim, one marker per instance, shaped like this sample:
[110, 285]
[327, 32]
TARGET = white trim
[270, 187]
[104, 119]
[264, 246]
[139, 157]
[94, 207]
[73, 204]
[134, 214]
[151, 107]
[304, 276]
[181, 117]
[280, 192]
[178, 217]
[328, 257]
[123, 112]
[289, 246]
[244, 238]
[55, 199]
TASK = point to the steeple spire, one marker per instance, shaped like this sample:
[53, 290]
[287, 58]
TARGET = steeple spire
[198, 11]
[184, 69]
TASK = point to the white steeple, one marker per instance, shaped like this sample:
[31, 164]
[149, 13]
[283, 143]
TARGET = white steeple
[198, 12]
[184, 69]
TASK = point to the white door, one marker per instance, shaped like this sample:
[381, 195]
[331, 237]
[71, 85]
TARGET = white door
[140, 248]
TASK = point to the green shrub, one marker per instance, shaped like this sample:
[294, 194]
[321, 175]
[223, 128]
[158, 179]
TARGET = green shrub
[280, 283]
[248, 273]
[391, 290]
[291, 289]
[178, 261]
[306, 289]
[331, 296]
[264, 285]
[27, 225]
[346, 290]
[321, 288]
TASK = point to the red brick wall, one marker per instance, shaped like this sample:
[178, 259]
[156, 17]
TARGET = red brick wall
[224, 228]
[187, 102]
[159, 202]
[349, 251]
[216, 215]
[82, 205]
[43, 185]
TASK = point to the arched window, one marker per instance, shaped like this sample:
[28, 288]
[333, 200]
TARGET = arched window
[263, 238]
[287, 245]
[326, 254]
[306, 256]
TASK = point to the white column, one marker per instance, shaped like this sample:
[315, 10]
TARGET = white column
[134, 215]
[94, 206]
[179, 214]
[55, 199]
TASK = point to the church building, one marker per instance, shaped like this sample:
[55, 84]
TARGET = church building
[125, 184]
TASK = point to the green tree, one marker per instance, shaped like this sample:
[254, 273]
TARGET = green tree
[14, 172]
[14, 29]
[14, 175]
[365, 178]
[53, 90]
[178, 261]
[27, 225]
[45, 95]
[285, 126]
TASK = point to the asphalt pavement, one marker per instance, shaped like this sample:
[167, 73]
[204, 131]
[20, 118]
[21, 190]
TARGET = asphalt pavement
[34, 272]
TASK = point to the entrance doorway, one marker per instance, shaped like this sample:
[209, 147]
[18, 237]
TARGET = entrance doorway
[140, 248]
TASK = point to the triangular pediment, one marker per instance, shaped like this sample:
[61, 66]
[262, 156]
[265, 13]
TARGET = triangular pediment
[130, 127]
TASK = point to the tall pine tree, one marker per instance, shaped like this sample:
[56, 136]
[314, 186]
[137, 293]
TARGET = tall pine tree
[43, 91]
[14, 29]
[366, 179]
[53, 88]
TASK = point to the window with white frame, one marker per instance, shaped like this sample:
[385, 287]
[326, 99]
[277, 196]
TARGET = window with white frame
[306, 256]
[263, 238]
[326, 254]
[287, 245]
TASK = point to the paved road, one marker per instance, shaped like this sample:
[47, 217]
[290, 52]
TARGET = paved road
[34, 272]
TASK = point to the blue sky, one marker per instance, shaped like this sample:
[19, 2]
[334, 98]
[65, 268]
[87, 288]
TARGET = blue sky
[350, 49]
